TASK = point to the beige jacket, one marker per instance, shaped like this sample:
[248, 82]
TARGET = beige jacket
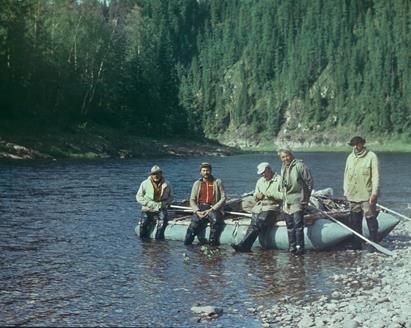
[361, 176]
[145, 196]
[219, 195]
[272, 194]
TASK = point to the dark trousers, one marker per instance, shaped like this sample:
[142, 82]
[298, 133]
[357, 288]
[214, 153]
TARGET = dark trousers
[198, 225]
[295, 230]
[259, 222]
[149, 220]
[355, 223]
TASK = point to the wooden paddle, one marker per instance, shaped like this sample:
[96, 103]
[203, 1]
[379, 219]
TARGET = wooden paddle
[188, 209]
[378, 247]
[393, 212]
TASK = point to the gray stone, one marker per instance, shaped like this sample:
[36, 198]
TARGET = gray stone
[382, 300]
[350, 324]
[335, 294]
[207, 310]
[306, 321]
[331, 306]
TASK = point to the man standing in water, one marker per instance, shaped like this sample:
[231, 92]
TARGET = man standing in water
[207, 200]
[361, 188]
[155, 195]
[296, 186]
[268, 197]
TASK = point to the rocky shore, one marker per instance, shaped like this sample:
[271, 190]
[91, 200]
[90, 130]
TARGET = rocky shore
[100, 148]
[376, 293]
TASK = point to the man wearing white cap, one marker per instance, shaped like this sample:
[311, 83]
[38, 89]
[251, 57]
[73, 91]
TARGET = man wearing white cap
[268, 196]
[155, 195]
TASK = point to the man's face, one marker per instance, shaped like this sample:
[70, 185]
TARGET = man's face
[205, 172]
[358, 147]
[286, 158]
[157, 176]
[267, 174]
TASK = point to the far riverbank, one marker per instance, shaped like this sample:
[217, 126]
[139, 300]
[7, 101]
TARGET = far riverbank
[92, 141]
[97, 142]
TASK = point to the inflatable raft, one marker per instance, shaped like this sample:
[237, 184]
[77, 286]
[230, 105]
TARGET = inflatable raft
[320, 233]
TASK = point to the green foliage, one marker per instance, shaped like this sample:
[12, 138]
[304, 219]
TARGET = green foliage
[201, 68]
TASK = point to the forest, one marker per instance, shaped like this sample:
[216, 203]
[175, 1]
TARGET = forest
[217, 69]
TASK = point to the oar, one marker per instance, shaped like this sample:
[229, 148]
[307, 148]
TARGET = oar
[188, 209]
[248, 215]
[378, 247]
[393, 212]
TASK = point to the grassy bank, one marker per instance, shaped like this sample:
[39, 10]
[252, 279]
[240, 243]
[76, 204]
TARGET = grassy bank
[387, 146]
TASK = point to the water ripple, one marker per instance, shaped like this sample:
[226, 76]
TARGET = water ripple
[69, 255]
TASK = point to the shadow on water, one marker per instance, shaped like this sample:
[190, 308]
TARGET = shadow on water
[69, 255]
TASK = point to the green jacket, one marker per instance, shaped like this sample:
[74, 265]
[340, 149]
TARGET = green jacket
[219, 195]
[145, 196]
[272, 195]
[296, 183]
[361, 176]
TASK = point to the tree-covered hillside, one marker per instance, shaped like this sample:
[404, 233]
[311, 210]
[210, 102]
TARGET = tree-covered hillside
[224, 69]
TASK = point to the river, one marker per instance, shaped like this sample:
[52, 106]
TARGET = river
[70, 257]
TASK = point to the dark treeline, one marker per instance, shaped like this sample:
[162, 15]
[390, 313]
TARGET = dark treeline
[193, 68]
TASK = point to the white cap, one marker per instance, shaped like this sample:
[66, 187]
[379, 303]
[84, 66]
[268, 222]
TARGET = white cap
[155, 169]
[261, 167]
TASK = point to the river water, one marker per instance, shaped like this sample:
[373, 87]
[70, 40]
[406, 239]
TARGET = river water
[70, 257]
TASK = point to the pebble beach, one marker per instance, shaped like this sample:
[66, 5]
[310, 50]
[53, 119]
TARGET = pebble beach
[376, 293]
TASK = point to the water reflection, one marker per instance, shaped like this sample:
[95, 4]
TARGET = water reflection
[154, 261]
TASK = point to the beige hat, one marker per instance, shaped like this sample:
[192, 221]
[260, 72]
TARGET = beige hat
[262, 166]
[205, 164]
[155, 169]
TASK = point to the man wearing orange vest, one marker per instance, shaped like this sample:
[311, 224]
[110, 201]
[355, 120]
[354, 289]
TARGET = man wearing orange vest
[207, 200]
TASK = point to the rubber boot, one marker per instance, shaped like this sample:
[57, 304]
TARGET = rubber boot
[215, 232]
[292, 239]
[145, 225]
[248, 240]
[201, 236]
[161, 227]
[355, 223]
[299, 232]
[143, 231]
[300, 247]
[372, 224]
[188, 240]
[292, 242]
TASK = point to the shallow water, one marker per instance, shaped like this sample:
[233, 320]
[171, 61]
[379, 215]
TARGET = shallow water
[69, 255]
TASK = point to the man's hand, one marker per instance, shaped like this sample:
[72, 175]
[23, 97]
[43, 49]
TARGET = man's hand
[203, 214]
[259, 196]
[373, 199]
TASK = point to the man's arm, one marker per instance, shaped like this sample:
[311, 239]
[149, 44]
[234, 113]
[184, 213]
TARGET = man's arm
[308, 183]
[375, 179]
[170, 197]
[140, 196]
[258, 195]
[145, 201]
[221, 201]
[345, 182]
[193, 197]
